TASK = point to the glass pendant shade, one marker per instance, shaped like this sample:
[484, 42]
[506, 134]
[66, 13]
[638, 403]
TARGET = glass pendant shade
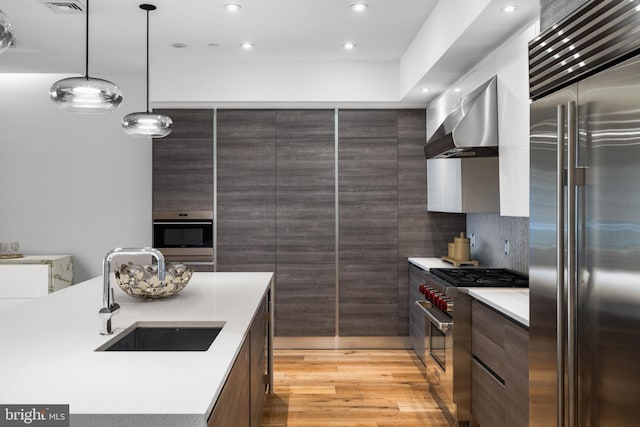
[88, 95]
[6, 32]
[147, 125]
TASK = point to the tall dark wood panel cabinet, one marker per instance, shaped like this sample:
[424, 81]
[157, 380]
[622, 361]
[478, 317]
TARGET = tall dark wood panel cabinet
[305, 223]
[276, 207]
[420, 233]
[368, 222]
[246, 211]
[183, 163]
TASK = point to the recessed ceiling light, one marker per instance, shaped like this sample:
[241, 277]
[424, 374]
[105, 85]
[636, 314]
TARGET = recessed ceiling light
[232, 7]
[178, 45]
[425, 89]
[359, 7]
[509, 9]
[349, 46]
[247, 45]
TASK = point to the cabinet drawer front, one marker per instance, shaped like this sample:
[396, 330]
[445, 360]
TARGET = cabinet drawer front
[487, 397]
[488, 337]
[24, 281]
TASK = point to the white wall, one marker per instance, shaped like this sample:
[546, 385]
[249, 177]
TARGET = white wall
[446, 23]
[218, 83]
[71, 183]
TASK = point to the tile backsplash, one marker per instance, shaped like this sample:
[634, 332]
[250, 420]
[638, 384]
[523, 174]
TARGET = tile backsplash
[491, 231]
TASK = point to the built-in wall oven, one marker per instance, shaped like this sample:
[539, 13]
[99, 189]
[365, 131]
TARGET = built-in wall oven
[184, 236]
[446, 346]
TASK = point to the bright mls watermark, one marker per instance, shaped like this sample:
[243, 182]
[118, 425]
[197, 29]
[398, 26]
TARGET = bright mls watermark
[34, 415]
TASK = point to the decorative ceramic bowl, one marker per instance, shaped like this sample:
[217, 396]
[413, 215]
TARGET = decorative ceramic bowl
[141, 281]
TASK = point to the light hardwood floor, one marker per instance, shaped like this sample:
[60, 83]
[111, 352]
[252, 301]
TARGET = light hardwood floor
[349, 388]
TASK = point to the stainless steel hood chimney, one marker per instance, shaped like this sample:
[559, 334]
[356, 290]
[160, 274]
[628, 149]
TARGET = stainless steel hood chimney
[471, 130]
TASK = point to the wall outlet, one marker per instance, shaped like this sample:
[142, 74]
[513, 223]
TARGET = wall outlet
[506, 247]
[472, 237]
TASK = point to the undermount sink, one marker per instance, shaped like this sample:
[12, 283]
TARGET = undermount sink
[158, 336]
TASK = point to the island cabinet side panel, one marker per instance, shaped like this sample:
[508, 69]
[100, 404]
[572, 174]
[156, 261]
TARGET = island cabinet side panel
[258, 352]
[232, 407]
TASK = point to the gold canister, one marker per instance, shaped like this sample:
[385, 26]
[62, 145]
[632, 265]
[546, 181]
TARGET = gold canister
[461, 248]
[451, 250]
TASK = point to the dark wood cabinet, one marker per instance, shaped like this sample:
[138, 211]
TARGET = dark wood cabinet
[517, 373]
[276, 205]
[243, 395]
[305, 222]
[420, 233]
[246, 226]
[259, 359]
[183, 163]
[500, 369]
[368, 218]
[233, 405]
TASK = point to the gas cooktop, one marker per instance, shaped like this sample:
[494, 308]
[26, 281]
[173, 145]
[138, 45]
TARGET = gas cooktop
[481, 277]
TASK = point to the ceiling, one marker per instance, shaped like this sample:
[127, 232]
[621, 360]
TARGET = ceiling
[281, 30]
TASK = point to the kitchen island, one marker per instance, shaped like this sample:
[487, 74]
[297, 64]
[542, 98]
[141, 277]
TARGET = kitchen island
[48, 352]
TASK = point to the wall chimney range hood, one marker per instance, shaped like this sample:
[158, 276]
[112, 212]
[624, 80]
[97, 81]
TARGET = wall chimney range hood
[471, 130]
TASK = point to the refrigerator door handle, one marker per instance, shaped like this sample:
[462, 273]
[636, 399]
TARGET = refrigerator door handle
[560, 288]
[572, 372]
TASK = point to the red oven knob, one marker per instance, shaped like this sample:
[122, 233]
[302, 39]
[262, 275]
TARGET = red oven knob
[447, 304]
[436, 300]
[421, 289]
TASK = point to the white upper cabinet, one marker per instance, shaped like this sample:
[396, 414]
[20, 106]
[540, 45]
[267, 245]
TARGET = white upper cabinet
[513, 125]
[510, 62]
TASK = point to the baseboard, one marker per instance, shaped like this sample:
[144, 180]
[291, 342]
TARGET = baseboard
[341, 343]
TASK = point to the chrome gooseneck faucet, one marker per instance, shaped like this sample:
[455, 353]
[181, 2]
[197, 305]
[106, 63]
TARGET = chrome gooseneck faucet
[109, 307]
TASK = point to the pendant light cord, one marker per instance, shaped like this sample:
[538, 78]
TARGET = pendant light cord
[86, 48]
[148, 61]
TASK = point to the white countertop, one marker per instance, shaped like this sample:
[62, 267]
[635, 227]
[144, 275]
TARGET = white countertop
[513, 303]
[47, 352]
[429, 263]
[34, 259]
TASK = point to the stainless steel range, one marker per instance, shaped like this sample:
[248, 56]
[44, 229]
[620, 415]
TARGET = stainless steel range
[447, 354]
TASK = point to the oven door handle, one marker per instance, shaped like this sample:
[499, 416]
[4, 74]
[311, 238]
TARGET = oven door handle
[182, 223]
[436, 317]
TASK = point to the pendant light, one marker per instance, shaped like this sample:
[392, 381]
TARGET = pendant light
[147, 124]
[6, 32]
[86, 94]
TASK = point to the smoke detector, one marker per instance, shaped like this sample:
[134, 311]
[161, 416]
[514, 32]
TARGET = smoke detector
[64, 6]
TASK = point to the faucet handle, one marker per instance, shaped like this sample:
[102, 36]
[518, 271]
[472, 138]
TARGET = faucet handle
[114, 305]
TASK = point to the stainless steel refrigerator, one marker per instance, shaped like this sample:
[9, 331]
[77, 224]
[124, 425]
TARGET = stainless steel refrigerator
[584, 238]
